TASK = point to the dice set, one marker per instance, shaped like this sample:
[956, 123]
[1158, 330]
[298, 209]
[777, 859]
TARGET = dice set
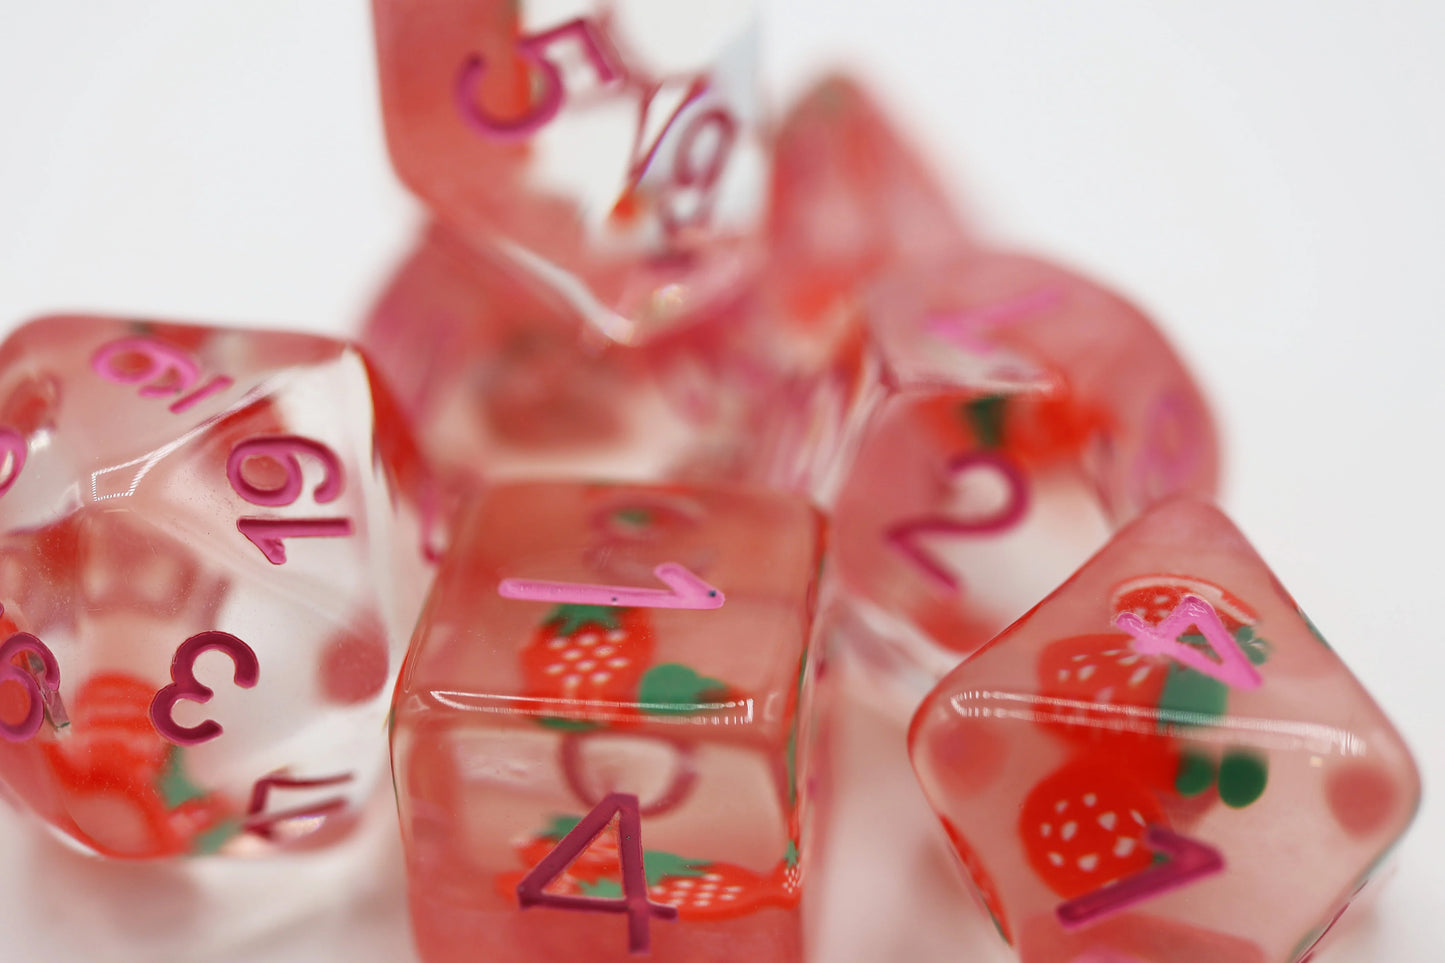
[672, 407]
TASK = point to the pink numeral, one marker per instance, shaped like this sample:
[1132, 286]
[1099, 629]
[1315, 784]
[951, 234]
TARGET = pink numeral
[13, 449]
[41, 690]
[633, 901]
[284, 449]
[903, 535]
[262, 825]
[267, 533]
[684, 591]
[1188, 860]
[184, 685]
[688, 171]
[1233, 666]
[552, 92]
[965, 327]
[168, 371]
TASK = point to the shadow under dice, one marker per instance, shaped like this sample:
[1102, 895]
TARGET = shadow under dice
[1027, 413]
[1164, 761]
[612, 148]
[601, 733]
[211, 564]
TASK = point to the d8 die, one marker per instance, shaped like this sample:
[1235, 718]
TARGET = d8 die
[616, 145]
[1161, 747]
[212, 562]
[593, 653]
[1025, 412]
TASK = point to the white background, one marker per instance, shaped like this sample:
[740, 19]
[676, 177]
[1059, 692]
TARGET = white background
[1267, 179]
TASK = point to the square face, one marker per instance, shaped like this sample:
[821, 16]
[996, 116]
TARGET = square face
[585, 640]
[1158, 749]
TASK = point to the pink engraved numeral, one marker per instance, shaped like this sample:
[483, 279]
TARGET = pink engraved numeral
[633, 901]
[39, 690]
[13, 449]
[550, 94]
[267, 533]
[184, 685]
[965, 328]
[1232, 666]
[262, 823]
[684, 591]
[167, 370]
[904, 535]
[1188, 860]
[689, 171]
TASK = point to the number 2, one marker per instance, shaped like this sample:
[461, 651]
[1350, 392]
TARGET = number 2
[633, 901]
[184, 685]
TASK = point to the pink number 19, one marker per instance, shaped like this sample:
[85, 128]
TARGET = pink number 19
[267, 533]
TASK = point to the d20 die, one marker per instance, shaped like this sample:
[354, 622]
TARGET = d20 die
[1026, 413]
[213, 563]
[614, 145]
[1159, 748]
[600, 654]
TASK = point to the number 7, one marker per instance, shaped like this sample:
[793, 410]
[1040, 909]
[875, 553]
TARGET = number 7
[262, 825]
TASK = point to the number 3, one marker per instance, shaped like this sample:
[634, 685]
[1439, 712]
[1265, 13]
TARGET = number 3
[184, 685]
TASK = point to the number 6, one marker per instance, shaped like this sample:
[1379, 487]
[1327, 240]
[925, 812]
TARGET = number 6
[49, 678]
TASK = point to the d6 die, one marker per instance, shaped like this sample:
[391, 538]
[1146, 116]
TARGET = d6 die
[1161, 747]
[592, 652]
[1025, 412]
[212, 562]
[616, 145]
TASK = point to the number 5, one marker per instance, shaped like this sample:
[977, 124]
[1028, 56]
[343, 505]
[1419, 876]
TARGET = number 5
[553, 92]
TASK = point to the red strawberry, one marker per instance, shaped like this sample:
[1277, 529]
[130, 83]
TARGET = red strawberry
[719, 891]
[589, 653]
[982, 882]
[1083, 826]
[1153, 597]
[1101, 683]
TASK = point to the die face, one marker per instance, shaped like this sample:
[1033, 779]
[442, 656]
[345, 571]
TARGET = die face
[212, 517]
[617, 144]
[1028, 413]
[503, 380]
[850, 201]
[1158, 749]
[517, 716]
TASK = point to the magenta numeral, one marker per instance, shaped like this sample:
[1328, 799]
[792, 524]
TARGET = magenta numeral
[550, 94]
[689, 172]
[184, 685]
[262, 823]
[39, 690]
[13, 450]
[284, 449]
[633, 901]
[267, 533]
[1233, 666]
[904, 535]
[1187, 861]
[215, 386]
[168, 370]
[684, 591]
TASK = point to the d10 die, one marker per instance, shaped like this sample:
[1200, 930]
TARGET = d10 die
[501, 378]
[1026, 411]
[614, 145]
[594, 655]
[1158, 749]
[212, 562]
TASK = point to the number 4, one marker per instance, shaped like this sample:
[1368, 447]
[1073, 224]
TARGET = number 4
[633, 901]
